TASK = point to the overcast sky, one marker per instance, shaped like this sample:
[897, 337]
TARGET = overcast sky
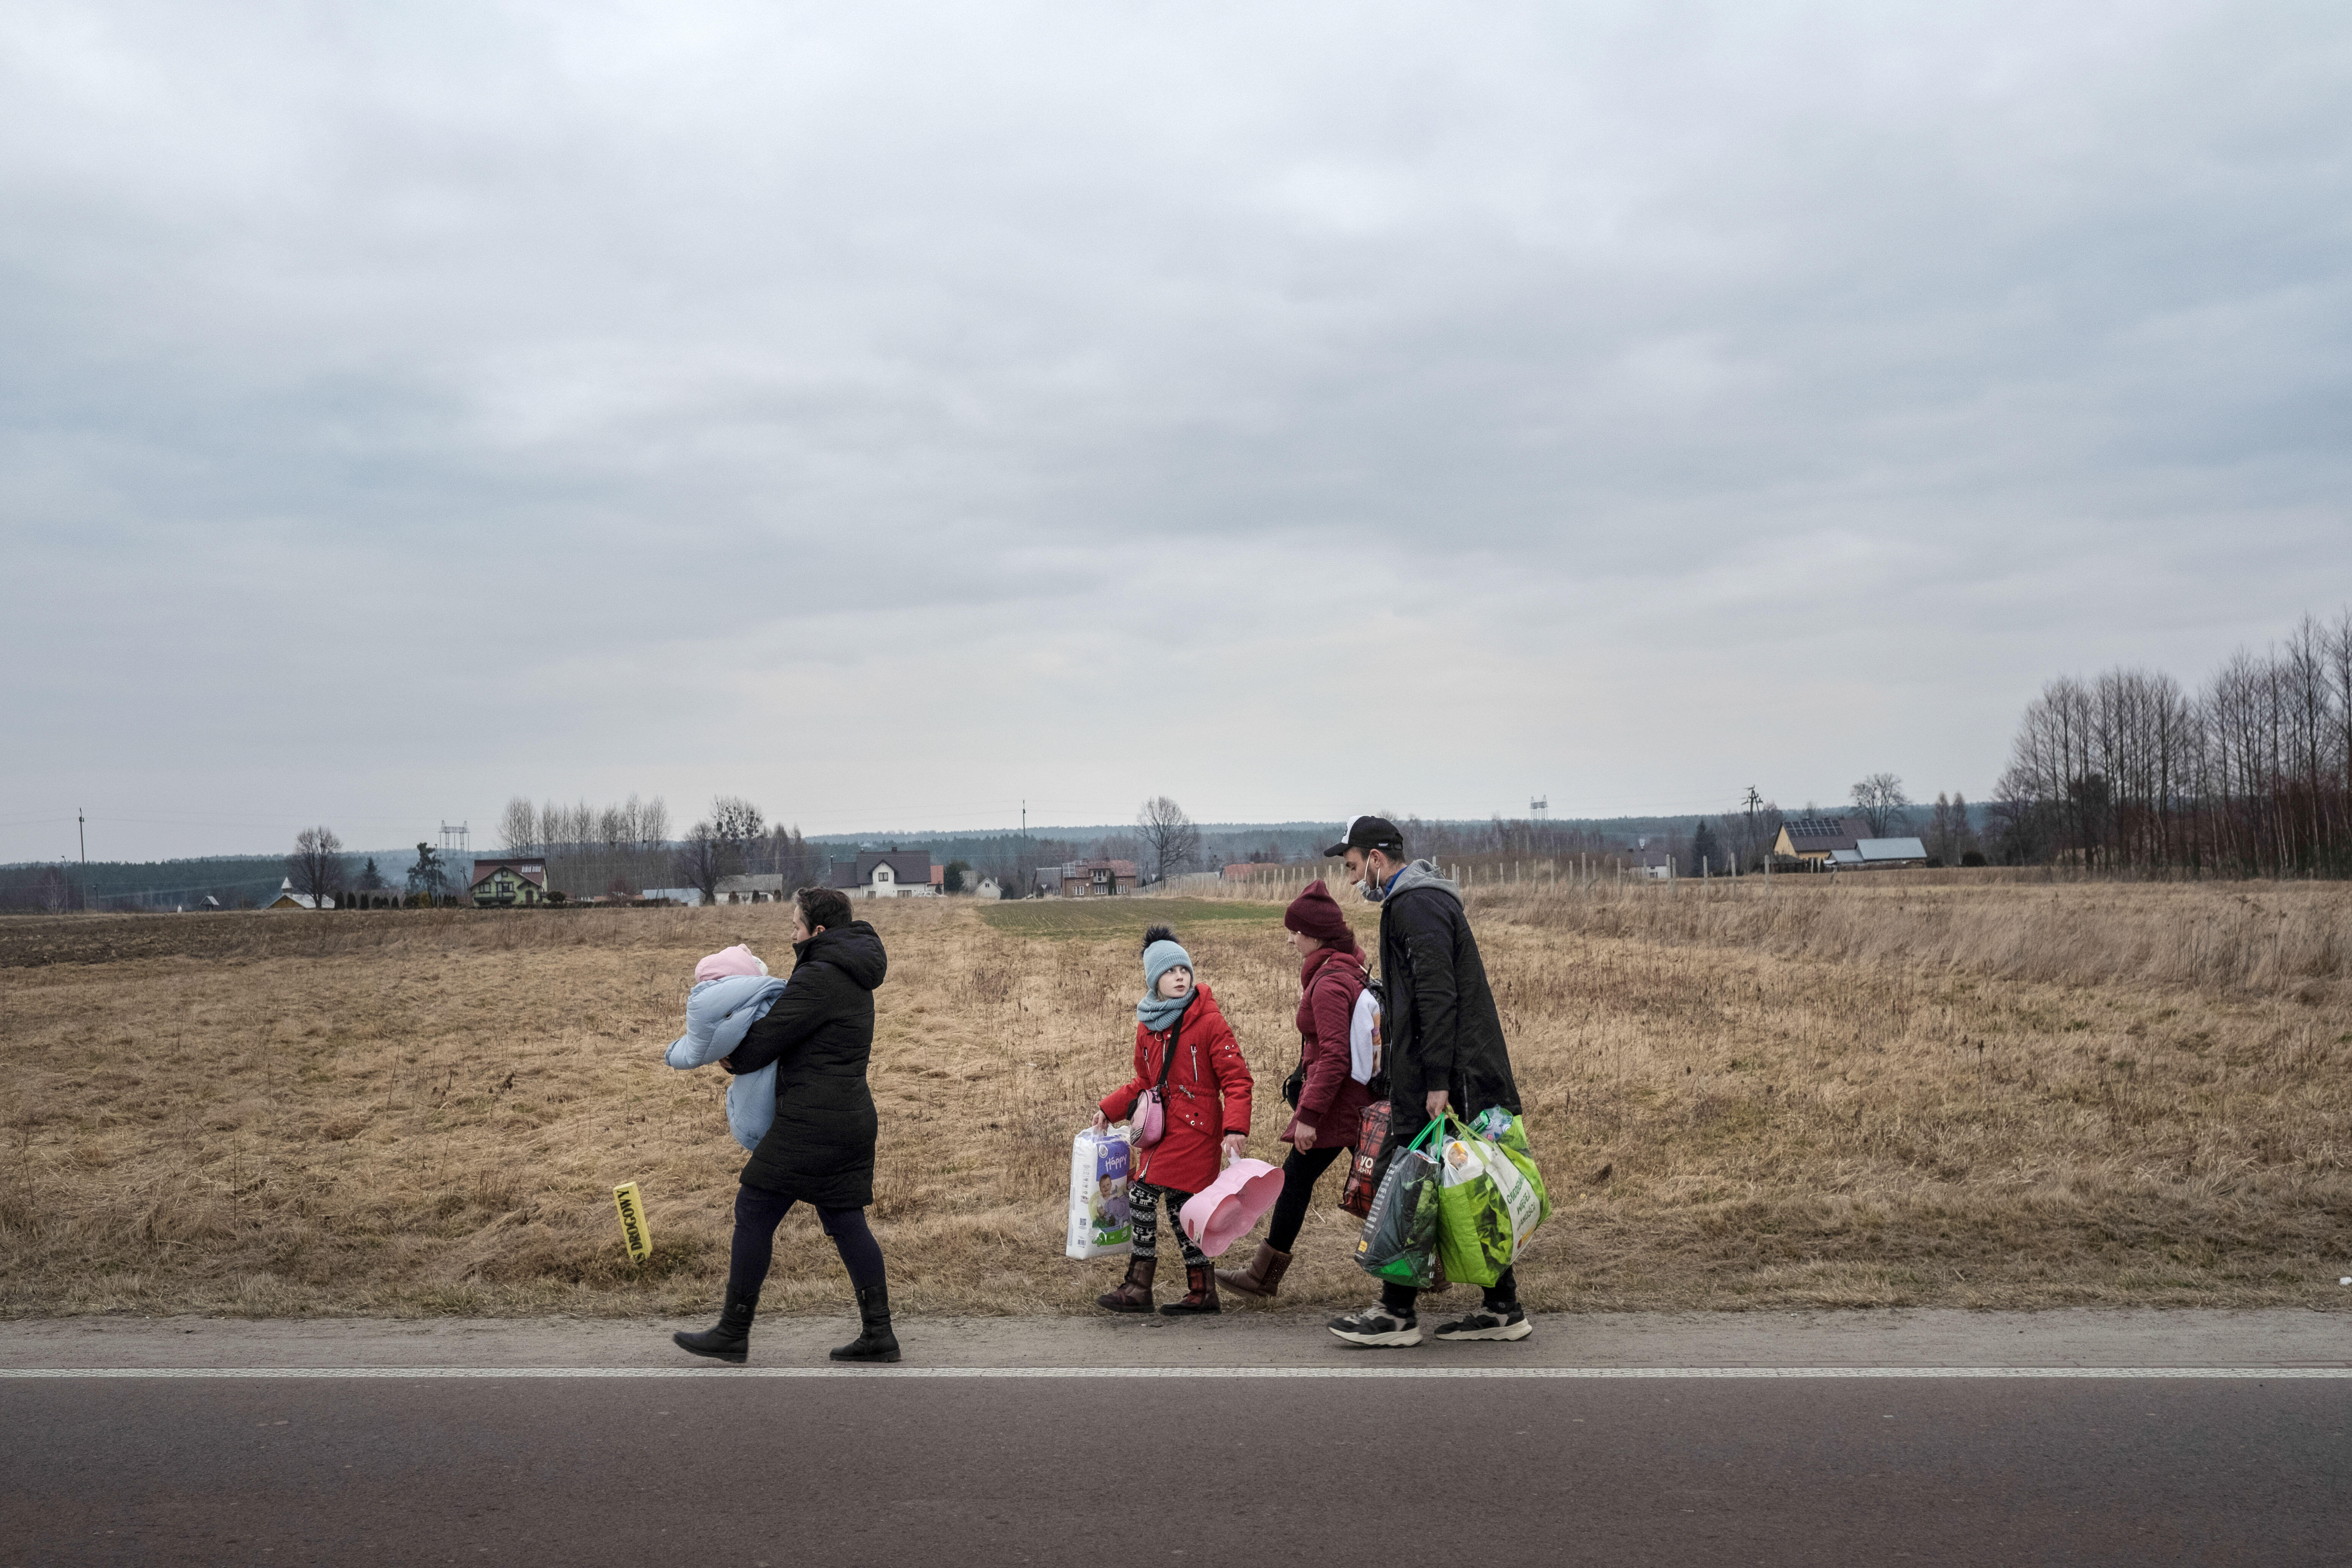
[892, 412]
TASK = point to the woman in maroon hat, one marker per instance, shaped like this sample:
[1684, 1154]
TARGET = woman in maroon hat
[1331, 1101]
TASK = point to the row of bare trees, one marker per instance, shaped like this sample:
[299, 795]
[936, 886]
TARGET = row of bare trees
[590, 850]
[626, 847]
[2250, 775]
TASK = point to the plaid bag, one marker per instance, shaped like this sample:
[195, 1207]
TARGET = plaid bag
[1363, 1177]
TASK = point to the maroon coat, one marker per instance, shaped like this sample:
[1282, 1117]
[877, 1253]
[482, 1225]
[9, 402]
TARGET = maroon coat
[1208, 1095]
[1332, 1102]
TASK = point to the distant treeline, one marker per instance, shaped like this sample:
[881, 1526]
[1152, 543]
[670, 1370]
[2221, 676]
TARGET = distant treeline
[2250, 775]
[236, 880]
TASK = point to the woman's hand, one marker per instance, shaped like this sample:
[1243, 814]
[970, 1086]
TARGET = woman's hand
[1234, 1143]
[1302, 1135]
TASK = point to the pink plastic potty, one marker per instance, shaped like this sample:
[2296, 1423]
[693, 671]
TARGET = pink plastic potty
[1222, 1212]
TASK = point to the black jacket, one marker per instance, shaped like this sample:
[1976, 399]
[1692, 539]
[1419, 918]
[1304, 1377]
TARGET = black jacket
[820, 1149]
[1439, 1028]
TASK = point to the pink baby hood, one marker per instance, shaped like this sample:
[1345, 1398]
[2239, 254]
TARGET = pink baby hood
[1222, 1212]
[727, 960]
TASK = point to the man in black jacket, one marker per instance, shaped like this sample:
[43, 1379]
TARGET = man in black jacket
[1442, 1041]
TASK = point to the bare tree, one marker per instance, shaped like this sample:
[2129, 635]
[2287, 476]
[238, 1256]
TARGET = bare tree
[701, 861]
[1171, 840]
[316, 867]
[1942, 840]
[652, 822]
[1881, 800]
[739, 827]
[519, 828]
[793, 858]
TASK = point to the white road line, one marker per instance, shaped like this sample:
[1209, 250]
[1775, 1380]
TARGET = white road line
[402, 1373]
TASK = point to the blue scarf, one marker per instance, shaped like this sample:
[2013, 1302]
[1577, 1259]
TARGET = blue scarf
[1158, 1013]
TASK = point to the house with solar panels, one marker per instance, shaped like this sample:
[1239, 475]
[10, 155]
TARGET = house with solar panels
[1844, 844]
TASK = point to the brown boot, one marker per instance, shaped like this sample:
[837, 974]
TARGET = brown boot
[1262, 1276]
[1134, 1292]
[1200, 1293]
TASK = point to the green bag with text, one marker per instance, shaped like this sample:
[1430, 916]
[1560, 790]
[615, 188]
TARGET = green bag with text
[1485, 1206]
[1510, 1133]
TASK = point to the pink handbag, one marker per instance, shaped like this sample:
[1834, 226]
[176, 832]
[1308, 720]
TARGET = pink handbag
[1151, 1119]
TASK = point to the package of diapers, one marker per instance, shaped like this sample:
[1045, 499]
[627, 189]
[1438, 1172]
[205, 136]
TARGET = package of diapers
[1098, 1213]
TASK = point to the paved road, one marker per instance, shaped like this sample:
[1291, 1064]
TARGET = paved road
[1181, 1463]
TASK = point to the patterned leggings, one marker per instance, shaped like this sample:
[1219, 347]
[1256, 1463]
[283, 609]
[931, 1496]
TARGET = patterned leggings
[1143, 1212]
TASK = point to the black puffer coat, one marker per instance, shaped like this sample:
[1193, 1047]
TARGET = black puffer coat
[820, 1032]
[1439, 1028]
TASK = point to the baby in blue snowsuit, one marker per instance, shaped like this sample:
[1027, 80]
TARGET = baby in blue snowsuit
[732, 991]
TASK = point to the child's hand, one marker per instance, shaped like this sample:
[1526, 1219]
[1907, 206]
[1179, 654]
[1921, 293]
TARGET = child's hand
[1102, 1122]
[1234, 1143]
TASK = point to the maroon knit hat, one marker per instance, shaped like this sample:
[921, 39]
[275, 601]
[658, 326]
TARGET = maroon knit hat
[1315, 913]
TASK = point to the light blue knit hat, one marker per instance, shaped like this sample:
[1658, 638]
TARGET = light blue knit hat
[1160, 958]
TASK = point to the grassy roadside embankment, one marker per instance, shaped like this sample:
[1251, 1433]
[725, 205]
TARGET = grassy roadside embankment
[1862, 1092]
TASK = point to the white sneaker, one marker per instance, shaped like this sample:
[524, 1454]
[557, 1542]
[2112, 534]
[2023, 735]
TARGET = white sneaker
[1377, 1327]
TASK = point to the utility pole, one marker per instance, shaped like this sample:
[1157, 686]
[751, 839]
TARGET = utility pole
[1753, 801]
[81, 832]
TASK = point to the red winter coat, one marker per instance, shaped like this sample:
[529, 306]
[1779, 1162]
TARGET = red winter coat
[1332, 1102]
[1208, 1095]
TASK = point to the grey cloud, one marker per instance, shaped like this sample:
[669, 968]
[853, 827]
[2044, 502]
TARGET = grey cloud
[1647, 361]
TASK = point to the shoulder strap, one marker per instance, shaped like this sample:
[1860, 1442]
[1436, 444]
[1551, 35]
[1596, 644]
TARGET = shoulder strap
[1168, 1058]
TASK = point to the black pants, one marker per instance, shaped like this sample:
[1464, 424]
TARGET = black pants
[758, 1212]
[1299, 1173]
[1502, 1293]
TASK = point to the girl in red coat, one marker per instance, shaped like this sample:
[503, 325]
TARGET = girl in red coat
[1182, 1040]
[1332, 1101]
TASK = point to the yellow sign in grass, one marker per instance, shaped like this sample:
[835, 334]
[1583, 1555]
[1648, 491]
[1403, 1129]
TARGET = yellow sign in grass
[636, 1230]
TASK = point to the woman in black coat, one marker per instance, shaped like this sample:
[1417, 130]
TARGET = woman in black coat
[820, 1148]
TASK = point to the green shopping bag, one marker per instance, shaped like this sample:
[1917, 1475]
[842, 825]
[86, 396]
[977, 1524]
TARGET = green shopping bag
[1485, 1206]
[1401, 1234]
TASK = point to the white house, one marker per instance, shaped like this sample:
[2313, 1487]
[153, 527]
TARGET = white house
[986, 888]
[755, 888]
[888, 874]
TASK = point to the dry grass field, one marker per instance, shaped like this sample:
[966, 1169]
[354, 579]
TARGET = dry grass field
[1874, 1091]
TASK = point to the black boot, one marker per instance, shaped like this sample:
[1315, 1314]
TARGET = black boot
[875, 1341]
[729, 1338]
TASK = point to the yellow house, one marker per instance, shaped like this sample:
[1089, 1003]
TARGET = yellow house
[288, 899]
[1816, 839]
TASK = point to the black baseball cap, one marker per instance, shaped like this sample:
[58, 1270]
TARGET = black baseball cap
[1367, 833]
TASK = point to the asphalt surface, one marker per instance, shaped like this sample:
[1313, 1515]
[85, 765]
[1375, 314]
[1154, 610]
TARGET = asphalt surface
[436, 1452]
